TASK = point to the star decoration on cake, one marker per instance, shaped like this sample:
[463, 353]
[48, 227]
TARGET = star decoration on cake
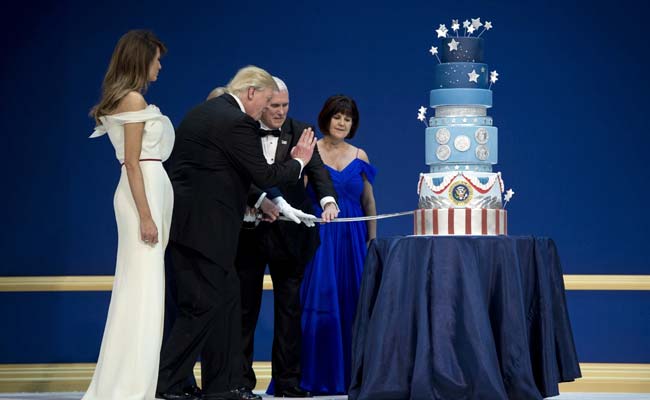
[453, 45]
[486, 27]
[507, 197]
[466, 24]
[442, 31]
[509, 194]
[476, 23]
[471, 29]
[434, 52]
[494, 76]
[422, 111]
[455, 26]
[473, 76]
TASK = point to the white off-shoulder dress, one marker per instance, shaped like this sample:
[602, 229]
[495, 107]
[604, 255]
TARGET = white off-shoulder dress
[127, 368]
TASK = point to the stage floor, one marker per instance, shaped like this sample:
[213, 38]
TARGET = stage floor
[566, 396]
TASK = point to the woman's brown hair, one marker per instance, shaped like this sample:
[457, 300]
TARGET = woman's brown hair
[338, 104]
[128, 69]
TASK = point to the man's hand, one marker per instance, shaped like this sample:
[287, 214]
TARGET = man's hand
[294, 214]
[329, 212]
[305, 146]
[270, 212]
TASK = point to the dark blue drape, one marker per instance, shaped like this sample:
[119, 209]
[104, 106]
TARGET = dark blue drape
[462, 318]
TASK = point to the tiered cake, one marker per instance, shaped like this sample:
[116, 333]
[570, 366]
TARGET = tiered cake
[461, 195]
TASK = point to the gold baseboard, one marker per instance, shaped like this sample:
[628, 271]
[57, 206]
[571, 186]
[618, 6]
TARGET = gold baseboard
[607, 282]
[35, 378]
[103, 283]
[611, 378]
[81, 283]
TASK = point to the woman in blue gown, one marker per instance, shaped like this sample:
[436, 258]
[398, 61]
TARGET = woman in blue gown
[330, 287]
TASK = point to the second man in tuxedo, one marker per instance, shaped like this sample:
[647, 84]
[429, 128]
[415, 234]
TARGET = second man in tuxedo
[286, 247]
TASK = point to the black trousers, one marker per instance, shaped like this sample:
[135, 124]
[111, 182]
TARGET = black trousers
[258, 248]
[208, 324]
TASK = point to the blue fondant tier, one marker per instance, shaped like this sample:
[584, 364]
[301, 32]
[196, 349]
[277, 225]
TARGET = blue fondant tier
[470, 49]
[461, 75]
[437, 121]
[460, 96]
[461, 145]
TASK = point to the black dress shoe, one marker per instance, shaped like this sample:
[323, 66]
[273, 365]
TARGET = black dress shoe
[177, 396]
[292, 391]
[193, 390]
[245, 393]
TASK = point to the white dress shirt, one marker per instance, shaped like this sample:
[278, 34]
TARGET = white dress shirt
[241, 106]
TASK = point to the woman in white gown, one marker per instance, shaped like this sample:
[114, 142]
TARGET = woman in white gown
[127, 367]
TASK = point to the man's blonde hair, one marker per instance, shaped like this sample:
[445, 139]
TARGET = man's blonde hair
[216, 92]
[251, 76]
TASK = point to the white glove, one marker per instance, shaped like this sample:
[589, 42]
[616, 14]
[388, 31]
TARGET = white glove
[294, 214]
[306, 219]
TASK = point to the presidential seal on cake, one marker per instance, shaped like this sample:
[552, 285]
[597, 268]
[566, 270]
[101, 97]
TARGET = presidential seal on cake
[461, 195]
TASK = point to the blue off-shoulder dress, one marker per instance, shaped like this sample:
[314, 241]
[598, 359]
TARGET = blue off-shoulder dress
[330, 287]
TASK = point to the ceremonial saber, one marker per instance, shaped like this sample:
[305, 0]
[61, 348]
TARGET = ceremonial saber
[356, 219]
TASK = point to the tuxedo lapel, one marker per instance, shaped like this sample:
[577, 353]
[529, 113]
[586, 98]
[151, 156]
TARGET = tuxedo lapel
[284, 142]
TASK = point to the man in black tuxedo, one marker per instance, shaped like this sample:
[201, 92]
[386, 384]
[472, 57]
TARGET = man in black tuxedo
[283, 245]
[216, 157]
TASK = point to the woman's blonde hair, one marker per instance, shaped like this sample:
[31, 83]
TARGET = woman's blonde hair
[128, 69]
[251, 76]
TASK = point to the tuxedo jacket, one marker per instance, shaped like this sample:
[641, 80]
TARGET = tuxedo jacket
[216, 157]
[300, 241]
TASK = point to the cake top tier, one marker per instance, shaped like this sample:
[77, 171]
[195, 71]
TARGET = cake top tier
[461, 49]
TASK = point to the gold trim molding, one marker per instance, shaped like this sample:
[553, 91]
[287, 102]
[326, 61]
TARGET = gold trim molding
[14, 378]
[34, 378]
[81, 283]
[607, 282]
[84, 283]
[611, 378]
[103, 283]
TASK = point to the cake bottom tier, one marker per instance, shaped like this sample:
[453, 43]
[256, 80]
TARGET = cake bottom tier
[460, 221]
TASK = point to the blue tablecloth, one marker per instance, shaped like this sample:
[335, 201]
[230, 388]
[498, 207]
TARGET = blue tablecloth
[462, 318]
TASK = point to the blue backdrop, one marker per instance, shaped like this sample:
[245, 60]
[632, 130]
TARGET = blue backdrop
[570, 106]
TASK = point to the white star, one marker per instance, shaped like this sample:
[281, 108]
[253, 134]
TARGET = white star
[433, 50]
[453, 45]
[421, 117]
[493, 76]
[509, 194]
[488, 25]
[422, 110]
[476, 23]
[471, 29]
[465, 24]
[442, 31]
[473, 76]
[455, 25]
